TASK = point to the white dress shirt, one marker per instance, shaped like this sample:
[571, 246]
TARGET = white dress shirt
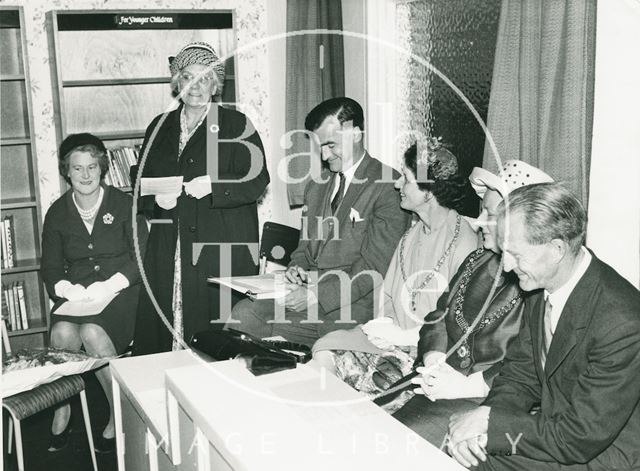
[348, 176]
[559, 297]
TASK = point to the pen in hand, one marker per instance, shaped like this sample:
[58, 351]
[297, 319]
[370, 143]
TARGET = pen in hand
[296, 275]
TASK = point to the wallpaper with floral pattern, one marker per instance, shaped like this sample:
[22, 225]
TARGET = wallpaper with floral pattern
[251, 29]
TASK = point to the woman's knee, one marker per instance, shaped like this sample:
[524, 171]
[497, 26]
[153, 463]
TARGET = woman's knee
[96, 341]
[66, 335]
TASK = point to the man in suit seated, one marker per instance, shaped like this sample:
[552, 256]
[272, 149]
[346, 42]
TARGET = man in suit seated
[351, 225]
[577, 355]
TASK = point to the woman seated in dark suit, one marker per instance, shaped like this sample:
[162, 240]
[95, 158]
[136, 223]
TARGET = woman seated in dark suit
[88, 254]
[456, 375]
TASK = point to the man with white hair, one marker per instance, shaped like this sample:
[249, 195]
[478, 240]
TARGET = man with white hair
[577, 355]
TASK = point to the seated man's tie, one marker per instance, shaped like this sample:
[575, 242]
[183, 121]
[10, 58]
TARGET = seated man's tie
[548, 334]
[335, 202]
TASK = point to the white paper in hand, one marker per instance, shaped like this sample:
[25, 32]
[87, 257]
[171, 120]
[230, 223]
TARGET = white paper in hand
[161, 186]
[199, 187]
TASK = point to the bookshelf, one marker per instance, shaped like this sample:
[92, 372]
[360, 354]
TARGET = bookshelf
[111, 69]
[20, 199]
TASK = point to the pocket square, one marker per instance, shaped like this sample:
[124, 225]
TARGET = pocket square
[354, 215]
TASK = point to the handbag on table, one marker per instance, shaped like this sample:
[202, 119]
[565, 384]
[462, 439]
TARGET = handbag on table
[261, 356]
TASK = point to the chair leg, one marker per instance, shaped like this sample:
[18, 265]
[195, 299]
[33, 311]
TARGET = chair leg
[16, 424]
[9, 435]
[87, 425]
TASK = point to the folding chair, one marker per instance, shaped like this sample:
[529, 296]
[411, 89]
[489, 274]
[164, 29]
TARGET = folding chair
[277, 244]
[25, 404]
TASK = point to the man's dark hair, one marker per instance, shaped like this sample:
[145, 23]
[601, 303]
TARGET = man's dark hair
[343, 108]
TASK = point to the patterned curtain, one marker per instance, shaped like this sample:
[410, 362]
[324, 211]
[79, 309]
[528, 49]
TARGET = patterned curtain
[541, 106]
[315, 72]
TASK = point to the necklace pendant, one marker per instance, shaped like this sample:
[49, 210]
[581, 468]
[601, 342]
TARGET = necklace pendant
[465, 363]
[463, 351]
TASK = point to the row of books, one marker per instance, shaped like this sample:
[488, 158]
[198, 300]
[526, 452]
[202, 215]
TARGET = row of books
[14, 306]
[8, 240]
[120, 160]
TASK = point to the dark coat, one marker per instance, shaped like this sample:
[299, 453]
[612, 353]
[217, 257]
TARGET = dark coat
[350, 246]
[488, 346]
[229, 215]
[589, 390]
[70, 253]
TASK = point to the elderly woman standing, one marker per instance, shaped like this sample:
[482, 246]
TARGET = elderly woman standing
[372, 356]
[456, 380]
[88, 254]
[218, 205]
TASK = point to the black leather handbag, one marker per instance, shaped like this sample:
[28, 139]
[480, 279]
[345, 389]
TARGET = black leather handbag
[261, 356]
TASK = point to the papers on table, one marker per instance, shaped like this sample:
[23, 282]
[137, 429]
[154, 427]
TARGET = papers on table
[268, 286]
[14, 382]
[84, 308]
[161, 186]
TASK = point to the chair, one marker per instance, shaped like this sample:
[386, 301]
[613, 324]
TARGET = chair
[27, 403]
[277, 244]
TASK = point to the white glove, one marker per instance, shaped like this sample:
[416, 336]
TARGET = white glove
[105, 289]
[198, 187]
[385, 329]
[434, 357]
[382, 344]
[445, 382]
[71, 292]
[98, 291]
[167, 201]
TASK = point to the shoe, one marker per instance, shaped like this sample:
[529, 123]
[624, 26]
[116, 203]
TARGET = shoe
[58, 442]
[105, 445]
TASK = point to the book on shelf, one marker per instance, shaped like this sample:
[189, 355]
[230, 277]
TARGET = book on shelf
[23, 305]
[120, 160]
[8, 238]
[4, 246]
[14, 306]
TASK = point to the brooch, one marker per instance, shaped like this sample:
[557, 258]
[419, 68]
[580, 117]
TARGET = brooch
[107, 218]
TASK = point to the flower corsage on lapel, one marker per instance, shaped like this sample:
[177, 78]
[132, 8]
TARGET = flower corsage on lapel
[107, 218]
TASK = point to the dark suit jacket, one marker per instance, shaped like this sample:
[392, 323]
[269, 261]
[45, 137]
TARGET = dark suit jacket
[70, 253]
[228, 215]
[488, 345]
[589, 390]
[349, 245]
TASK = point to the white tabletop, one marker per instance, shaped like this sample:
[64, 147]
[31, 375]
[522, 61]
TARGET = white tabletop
[141, 379]
[296, 419]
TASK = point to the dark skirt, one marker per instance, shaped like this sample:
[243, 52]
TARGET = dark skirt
[117, 319]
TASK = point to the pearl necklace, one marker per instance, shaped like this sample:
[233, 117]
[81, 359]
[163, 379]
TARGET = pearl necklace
[413, 291]
[88, 214]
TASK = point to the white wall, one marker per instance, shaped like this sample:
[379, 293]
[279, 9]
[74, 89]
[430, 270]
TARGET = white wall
[614, 192]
